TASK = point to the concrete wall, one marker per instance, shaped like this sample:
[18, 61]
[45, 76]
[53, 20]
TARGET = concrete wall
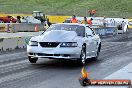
[16, 27]
[13, 43]
[104, 31]
[26, 27]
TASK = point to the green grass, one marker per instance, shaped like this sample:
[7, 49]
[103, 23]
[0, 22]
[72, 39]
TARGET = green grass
[109, 8]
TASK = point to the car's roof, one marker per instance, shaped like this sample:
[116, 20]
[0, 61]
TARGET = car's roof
[71, 24]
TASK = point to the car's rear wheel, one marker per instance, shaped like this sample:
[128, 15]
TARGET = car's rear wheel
[32, 60]
[82, 59]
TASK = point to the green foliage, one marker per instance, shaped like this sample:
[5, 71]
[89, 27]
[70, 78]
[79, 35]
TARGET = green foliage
[111, 8]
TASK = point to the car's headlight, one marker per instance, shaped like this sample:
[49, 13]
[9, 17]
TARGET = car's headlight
[69, 44]
[33, 43]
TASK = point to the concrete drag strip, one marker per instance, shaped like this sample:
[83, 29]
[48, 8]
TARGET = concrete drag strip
[115, 50]
[57, 74]
[13, 66]
[123, 73]
[111, 45]
[11, 55]
[17, 77]
[14, 57]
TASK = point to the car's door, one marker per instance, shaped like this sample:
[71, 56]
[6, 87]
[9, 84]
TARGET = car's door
[91, 42]
[95, 40]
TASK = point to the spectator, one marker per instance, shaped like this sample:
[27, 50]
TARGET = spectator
[90, 13]
[123, 25]
[119, 27]
[27, 19]
[18, 19]
[104, 21]
[74, 20]
[84, 21]
[93, 12]
[90, 22]
[49, 23]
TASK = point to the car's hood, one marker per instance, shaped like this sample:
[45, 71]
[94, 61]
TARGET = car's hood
[57, 36]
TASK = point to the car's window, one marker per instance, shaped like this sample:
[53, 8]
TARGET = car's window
[93, 32]
[89, 31]
[80, 30]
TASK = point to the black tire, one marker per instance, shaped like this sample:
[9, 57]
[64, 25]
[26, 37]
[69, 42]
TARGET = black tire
[97, 54]
[32, 60]
[82, 59]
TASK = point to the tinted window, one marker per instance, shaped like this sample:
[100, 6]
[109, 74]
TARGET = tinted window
[80, 30]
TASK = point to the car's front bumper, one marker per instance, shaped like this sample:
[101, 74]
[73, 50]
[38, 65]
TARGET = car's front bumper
[57, 53]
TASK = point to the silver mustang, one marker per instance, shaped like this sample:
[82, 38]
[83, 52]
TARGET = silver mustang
[65, 41]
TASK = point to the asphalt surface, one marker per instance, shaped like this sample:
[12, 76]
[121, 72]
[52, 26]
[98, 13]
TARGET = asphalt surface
[17, 72]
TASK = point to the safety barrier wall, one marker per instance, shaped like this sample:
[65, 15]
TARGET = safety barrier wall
[104, 31]
[13, 43]
[13, 27]
[26, 27]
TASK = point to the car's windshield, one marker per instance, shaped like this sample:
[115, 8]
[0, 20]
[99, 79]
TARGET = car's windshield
[80, 30]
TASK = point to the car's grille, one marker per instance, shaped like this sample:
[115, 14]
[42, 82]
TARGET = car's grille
[49, 44]
[42, 54]
[64, 55]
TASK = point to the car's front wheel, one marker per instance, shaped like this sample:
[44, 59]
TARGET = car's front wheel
[82, 59]
[32, 60]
